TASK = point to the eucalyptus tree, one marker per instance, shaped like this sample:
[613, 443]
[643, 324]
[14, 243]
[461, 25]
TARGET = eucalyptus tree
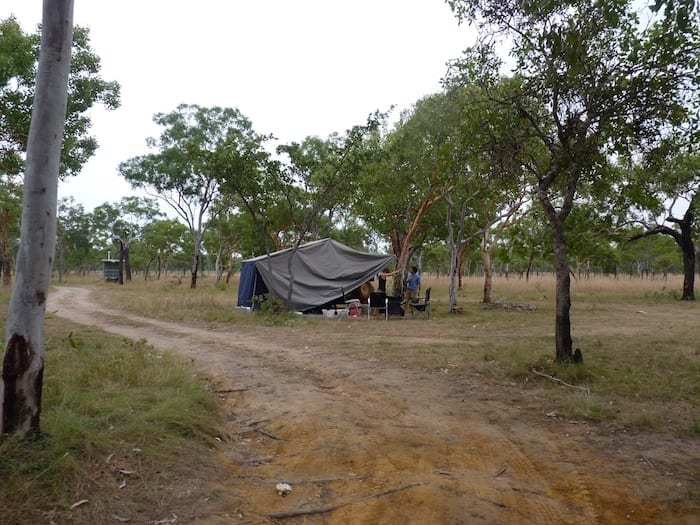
[10, 212]
[221, 239]
[407, 174]
[590, 232]
[122, 223]
[462, 161]
[594, 78]
[315, 181]
[24, 355]
[162, 239]
[184, 170]
[351, 231]
[648, 255]
[74, 248]
[317, 178]
[249, 184]
[527, 243]
[18, 78]
[491, 193]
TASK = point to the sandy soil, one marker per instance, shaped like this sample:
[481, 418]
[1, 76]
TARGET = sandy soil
[364, 441]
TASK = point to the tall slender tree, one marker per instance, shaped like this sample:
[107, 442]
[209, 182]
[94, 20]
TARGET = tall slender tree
[74, 248]
[319, 176]
[23, 359]
[184, 171]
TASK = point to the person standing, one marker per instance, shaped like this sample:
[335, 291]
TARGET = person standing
[382, 277]
[412, 285]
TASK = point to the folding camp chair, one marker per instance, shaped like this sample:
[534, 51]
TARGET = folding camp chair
[421, 305]
[377, 303]
[394, 306]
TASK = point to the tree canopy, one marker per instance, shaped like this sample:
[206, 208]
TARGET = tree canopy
[593, 80]
[19, 54]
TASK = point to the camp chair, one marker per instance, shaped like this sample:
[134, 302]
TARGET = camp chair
[421, 305]
[394, 306]
[377, 302]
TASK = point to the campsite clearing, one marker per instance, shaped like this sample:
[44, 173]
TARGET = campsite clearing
[399, 422]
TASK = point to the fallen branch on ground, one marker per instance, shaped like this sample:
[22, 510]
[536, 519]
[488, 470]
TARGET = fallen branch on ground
[648, 462]
[329, 508]
[268, 434]
[584, 388]
[229, 390]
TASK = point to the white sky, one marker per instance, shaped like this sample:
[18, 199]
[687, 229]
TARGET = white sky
[294, 67]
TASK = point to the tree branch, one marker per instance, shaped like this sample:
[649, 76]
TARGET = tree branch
[663, 230]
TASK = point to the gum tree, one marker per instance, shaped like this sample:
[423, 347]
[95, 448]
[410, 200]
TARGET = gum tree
[594, 79]
[183, 171]
[121, 224]
[317, 179]
[408, 172]
[74, 248]
[23, 359]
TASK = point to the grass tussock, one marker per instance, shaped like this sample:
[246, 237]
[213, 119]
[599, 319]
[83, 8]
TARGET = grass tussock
[116, 416]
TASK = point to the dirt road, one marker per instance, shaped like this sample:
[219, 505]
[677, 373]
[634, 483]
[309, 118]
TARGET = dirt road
[364, 441]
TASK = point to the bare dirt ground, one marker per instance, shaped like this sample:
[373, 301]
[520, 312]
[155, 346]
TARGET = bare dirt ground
[362, 440]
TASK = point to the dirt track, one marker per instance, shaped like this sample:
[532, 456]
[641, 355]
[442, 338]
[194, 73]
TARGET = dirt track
[364, 441]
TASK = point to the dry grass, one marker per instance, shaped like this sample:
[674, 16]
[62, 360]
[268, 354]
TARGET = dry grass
[210, 302]
[641, 346]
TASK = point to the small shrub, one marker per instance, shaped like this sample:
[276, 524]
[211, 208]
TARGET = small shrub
[268, 304]
[662, 296]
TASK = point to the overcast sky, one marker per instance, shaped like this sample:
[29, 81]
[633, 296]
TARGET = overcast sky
[295, 68]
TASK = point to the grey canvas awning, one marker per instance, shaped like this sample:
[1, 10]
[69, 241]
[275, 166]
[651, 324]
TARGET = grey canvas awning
[323, 271]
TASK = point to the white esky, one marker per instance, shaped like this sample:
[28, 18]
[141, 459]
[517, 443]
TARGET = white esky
[294, 67]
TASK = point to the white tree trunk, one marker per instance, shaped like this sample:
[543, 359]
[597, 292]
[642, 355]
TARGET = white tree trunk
[486, 249]
[23, 359]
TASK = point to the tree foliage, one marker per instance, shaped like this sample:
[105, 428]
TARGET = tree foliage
[19, 53]
[593, 80]
[122, 224]
[407, 171]
[19, 56]
[184, 170]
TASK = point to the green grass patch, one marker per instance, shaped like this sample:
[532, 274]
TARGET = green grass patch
[617, 382]
[110, 406]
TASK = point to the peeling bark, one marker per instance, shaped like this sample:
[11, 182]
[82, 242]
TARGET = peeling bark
[22, 375]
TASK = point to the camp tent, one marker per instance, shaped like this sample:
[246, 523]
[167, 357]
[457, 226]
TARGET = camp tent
[324, 271]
